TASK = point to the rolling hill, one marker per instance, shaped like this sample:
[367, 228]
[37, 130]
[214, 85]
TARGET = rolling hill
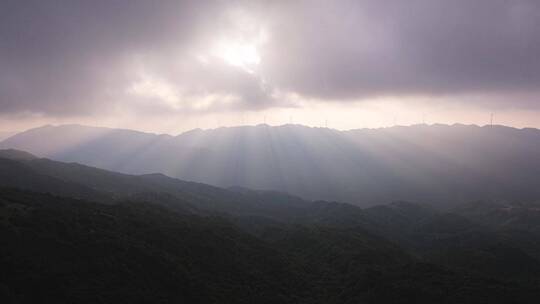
[436, 164]
[111, 237]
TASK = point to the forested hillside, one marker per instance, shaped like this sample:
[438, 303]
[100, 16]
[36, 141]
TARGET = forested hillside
[73, 233]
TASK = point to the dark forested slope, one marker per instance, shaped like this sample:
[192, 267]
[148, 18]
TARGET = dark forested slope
[74, 233]
[58, 249]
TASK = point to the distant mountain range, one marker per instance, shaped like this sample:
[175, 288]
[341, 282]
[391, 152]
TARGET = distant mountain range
[5, 134]
[437, 164]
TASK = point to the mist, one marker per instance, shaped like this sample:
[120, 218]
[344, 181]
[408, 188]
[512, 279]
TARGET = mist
[277, 152]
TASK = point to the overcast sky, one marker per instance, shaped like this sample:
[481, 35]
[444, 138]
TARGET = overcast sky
[168, 66]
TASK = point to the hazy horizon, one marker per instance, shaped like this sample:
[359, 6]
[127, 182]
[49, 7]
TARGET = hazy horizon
[180, 65]
[6, 134]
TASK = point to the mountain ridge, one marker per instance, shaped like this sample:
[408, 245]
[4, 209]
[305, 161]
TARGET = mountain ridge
[438, 164]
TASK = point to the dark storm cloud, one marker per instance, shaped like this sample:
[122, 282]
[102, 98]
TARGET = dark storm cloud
[79, 57]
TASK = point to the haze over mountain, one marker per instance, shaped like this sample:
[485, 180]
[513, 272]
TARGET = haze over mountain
[429, 163]
[5, 134]
[174, 151]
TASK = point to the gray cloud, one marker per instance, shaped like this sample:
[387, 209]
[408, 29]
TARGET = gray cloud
[81, 57]
[363, 48]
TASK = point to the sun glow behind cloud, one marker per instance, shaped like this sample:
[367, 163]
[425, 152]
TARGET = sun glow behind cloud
[239, 45]
[219, 64]
[238, 54]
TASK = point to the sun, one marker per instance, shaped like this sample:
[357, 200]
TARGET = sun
[239, 54]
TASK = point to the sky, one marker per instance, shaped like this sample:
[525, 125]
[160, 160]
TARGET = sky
[170, 66]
